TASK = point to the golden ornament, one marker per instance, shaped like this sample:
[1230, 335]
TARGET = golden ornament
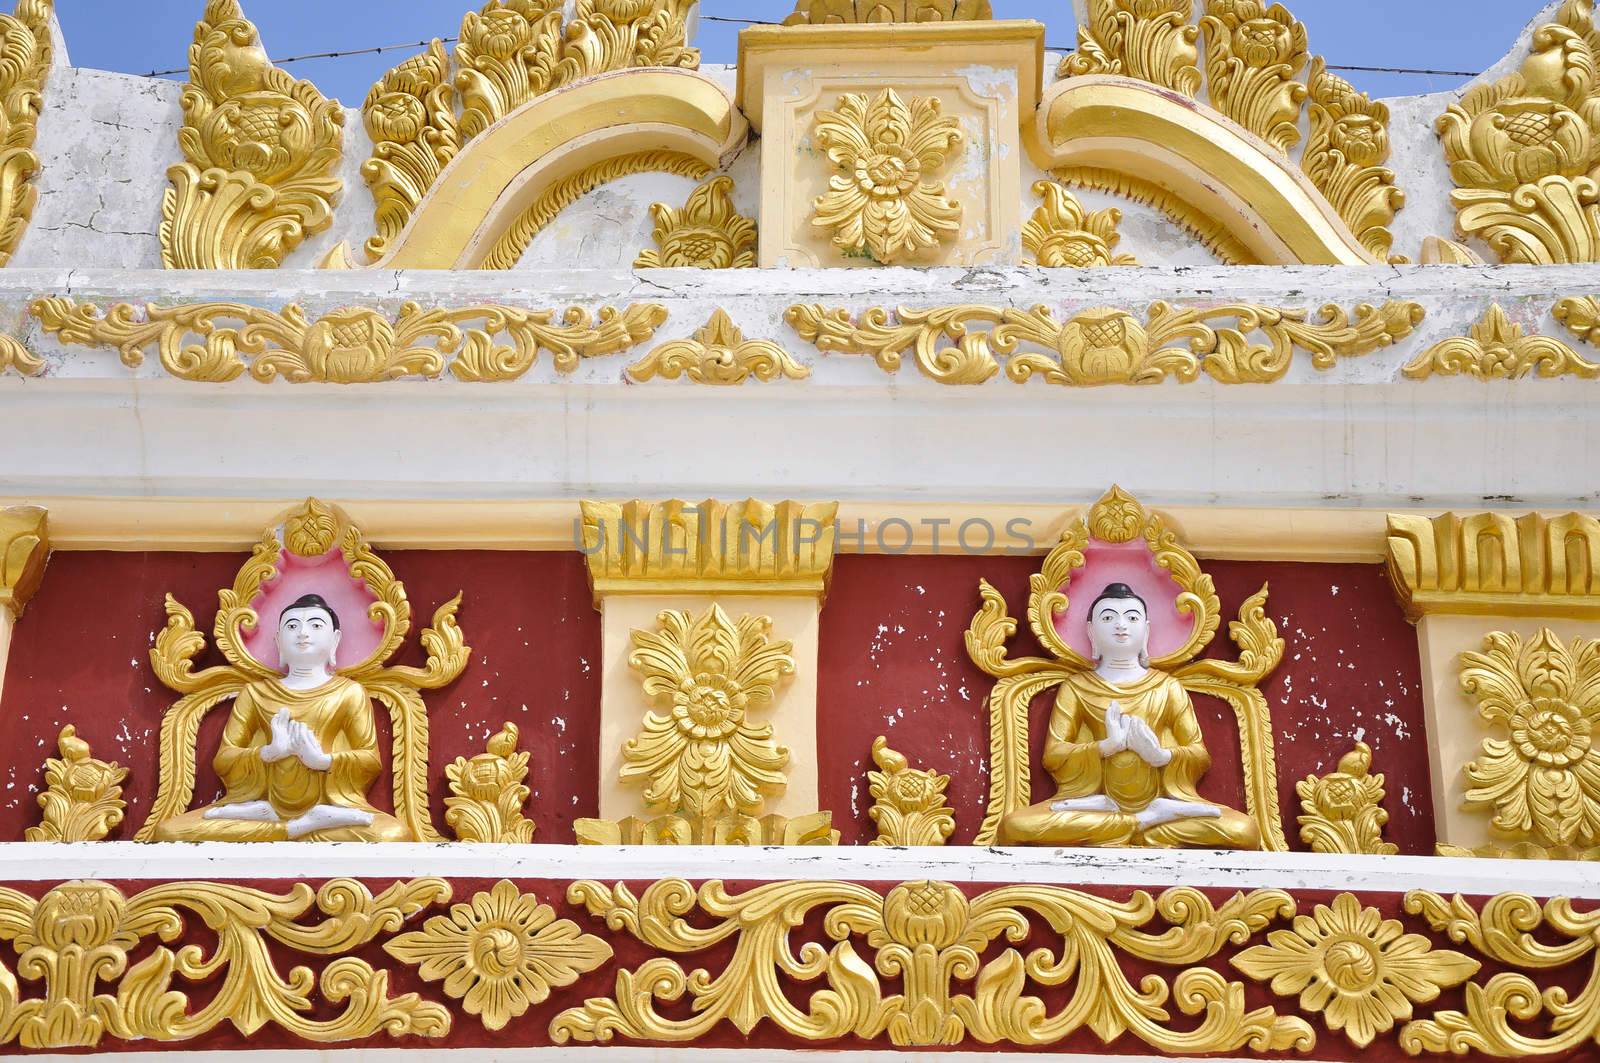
[487, 793]
[706, 233]
[718, 354]
[909, 803]
[82, 800]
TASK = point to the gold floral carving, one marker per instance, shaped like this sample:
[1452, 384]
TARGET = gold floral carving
[25, 58]
[487, 793]
[1494, 564]
[24, 549]
[310, 531]
[261, 151]
[1344, 155]
[82, 933]
[1579, 315]
[718, 354]
[1211, 234]
[1116, 518]
[707, 233]
[1503, 931]
[1253, 56]
[1498, 348]
[500, 953]
[714, 547]
[13, 355]
[1105, 345]
[1062, 233]
[856, 12]
[1342, 811]
[882, 202]
[351, 345]
[410, 116]
[1357, 971]
[1523, 151]
[930, 936]
[909, 806]
[1152, 40]
[1542, 779]
[82, 800]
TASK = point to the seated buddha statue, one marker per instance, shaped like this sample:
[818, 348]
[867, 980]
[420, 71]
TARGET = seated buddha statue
[298, 753]
[1125, 750]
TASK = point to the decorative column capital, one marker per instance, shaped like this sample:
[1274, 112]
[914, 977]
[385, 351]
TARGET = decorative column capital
[1493, 564]
[24, 546]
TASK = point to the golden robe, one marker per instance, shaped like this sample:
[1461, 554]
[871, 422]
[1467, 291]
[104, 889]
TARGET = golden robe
[1072, 757]
[339, 713]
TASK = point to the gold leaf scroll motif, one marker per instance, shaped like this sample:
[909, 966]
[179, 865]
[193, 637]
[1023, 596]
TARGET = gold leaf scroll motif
[909, 806]
[1152, 40]
[13, 355]
[410, 116]
[25, 58]
[1253, 55]
[1523, 150]
[487, 793]
[1496, 347]
[1342, 812]
[881, 202]
[82, 932]
[1061, 233]
[260, 149]
[351, 345]
[82, 800]
[718, 354]
[930, 936]
[1105, 345]
[1349, 142]
[706, 233]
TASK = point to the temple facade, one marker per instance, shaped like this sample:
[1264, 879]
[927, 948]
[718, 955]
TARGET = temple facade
[908, 543]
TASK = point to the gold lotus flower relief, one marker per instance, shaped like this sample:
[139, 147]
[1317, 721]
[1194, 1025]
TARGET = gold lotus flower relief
[909, 806]
[82, 800]
[1342, 812]
[487, 793]
[883, 201]
[706, 233]
[1061, 233]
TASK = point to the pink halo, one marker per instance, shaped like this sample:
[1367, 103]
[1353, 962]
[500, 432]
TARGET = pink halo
[1133, 564]
[327, 576]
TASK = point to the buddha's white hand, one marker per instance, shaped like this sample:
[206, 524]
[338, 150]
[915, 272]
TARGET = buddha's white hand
[1143, 741]
[1116, 739]
[282, 744]
[307, 748]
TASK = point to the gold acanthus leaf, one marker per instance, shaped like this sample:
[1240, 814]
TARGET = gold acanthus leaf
[410, 116]
[83, 932]
[25, 59]
[718, 354]
[82, 801]
[706, 233]
[1061, 233]
[1105, 345]
[1496, 347]
[1342, 811]
[881, 201]
[1343, 158]
[260, 149]
[930, 937]
[909, 803]
[17, 358]
[1524, 153]
[878, 12]
[488, 792]
[1254, 54]
[1152, 40]
[351, 345]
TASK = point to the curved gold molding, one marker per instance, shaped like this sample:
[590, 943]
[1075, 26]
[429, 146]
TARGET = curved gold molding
[503, 172]
[1255, 193]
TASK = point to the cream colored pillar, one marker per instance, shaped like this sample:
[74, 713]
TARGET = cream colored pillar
[24, 546]
[710, 621]
[1496, 599]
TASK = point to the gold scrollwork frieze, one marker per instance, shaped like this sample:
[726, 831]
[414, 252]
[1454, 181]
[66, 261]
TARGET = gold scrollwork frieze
[350, 345]
[718, 354]
[1105, 345]
[1495, 347]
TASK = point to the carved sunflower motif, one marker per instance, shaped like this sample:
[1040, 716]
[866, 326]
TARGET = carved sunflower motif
[702, 756]
[1362, 972]
[500, 953]
[1543, 779]
[882, 202]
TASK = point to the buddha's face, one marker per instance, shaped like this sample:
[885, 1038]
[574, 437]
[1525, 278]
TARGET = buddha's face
[307, 639]
[1119, 629]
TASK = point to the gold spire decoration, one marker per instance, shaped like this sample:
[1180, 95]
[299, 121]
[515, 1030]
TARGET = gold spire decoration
[25, 58]
[1342, 812]
[909, 806]
[718, 354]
[877, 12]
[1496, 347]
[82, 800]
[410, 116]
[1061, 233]
[706, 233]
[487, 793]
[260, 148]
[1253, 56]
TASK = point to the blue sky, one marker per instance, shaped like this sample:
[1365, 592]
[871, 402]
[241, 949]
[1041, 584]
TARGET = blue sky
[140, 36]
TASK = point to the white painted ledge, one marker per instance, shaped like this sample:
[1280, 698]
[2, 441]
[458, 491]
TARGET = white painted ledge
[44, 862]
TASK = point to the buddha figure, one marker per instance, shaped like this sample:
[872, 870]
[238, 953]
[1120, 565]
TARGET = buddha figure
[298, 753]
[1125, 750]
